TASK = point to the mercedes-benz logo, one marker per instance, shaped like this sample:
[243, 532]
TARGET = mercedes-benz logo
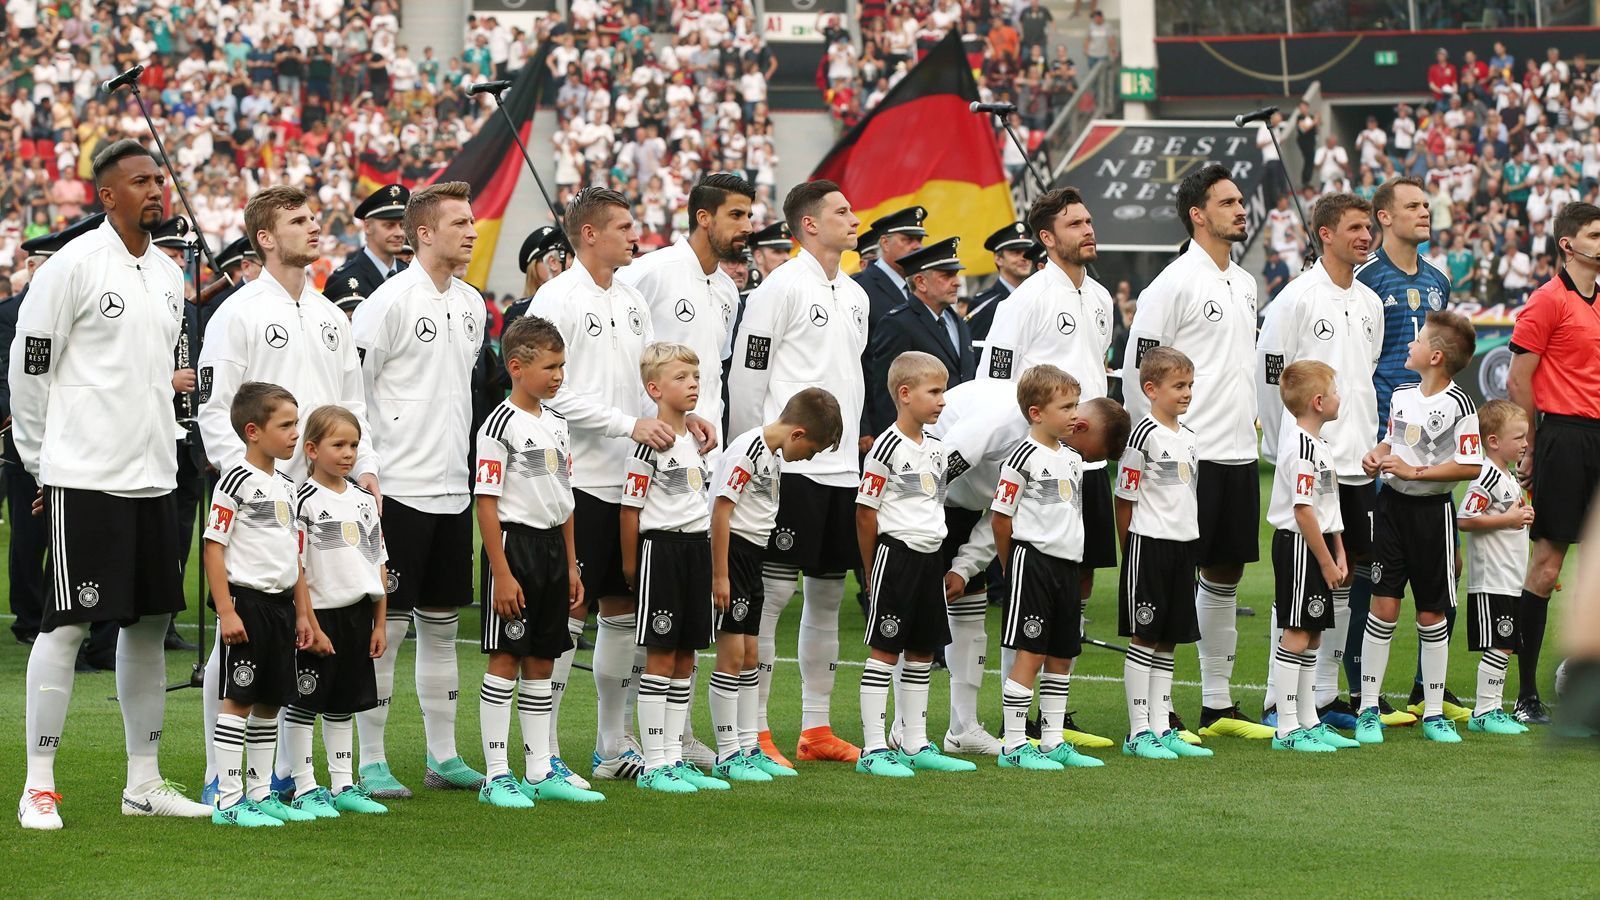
[277, 336]
[819, 316]
[426, 330]
[111, 305]
[1323, 329]
[1065, 323]
[591, 324]
[1212, 311]
[684, 310]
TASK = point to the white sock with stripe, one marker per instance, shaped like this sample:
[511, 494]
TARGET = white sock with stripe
[749, 688]
[1435, 640]
[338, 742]
[295, 749]
[494, 721]
[1136, 687]
[875, 680]
[652, 708]
[1016, 698]
[1374, 659]
[1491, 681]
[1216, 606]
[724, 698]
[1161, 692]
[1306, 689]
[260, 745]
[1053, 691]
[678, 691]
[228, 736]
[536, 715]
[1286, 690]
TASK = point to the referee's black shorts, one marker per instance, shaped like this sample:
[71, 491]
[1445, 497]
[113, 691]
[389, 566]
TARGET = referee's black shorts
[1566, 474]
[1229, 500]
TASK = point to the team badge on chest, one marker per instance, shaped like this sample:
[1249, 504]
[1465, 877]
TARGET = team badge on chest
[351, 532]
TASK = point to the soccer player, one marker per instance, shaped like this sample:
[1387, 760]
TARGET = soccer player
[692, 301]
[900, 526]
[1204, 305]
[92, 358]
[1432, 443]
[1061, 315]
[666, 561]
[1040, 545]
[1496, 521]
[1307, 553]
[1410, 286]
[342, 556]
[263, 608]
[1326, 314]
[418, 336]
[1157, 524]
[532, 591]
[748, 476]
[281, 331]
[806, 326]
[605, 325]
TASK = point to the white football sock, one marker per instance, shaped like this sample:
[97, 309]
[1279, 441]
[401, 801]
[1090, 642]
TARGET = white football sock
[819, 646]
[142, 694]
[211, 704]
[228, 735]
[1374, 659]
[677, 708]
[1161, 692]
[688, 712]
[438, 680]
[613, 670]
[372, 723]
[749, 687]
[558, 683]
[1216, 607]
[914, 714]
[1136, 687]
[1435, 640]
[49, 692]
[494, 720]
[630, 693]
[964, 657]
[777, 583]
[260, 746]
[1306, 689]
[1015, 698]
[1286, 690]
[1330, 656]
[1053, 691]
[724, 697]
[338, 742]
[294, 748]
[1491, 681]
[1275, 635]
[875, 680]
[652, 720]
[536, 714]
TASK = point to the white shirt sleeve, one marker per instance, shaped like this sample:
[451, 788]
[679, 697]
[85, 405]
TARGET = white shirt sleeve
[43, 324]
[1278, 347]
[223, 361]
[1009, 337]
[1155, 324]
[753, 351]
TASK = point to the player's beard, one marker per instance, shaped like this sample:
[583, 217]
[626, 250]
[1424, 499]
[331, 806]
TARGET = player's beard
[726, 251]
[300, 259]
[1233, 234]
[1081, 255]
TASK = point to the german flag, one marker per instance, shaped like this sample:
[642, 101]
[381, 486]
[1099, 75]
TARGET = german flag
[491, 162]
[374, 170]
[922, 147]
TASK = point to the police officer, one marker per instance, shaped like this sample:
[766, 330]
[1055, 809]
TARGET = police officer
[380, 216]
[927, 323]
[543, 256]
[239, 264]
[345, 294]
[1013, 264]
[772, 246]
[867, 248]
[899, 234]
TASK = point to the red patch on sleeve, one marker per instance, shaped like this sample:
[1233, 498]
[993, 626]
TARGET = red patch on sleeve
[1469, 445]
[638, 484]
[737, 479]
[1130, 479]
[489, 471]
[1006, 492]
[1304, 484]
[221, 519]
[1477, 502]
[872, 485]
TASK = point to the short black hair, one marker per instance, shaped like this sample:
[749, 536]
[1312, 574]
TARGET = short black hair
[1049, 205]
[115, 153]
[713, 191]
[1193, 189]
[803, 200]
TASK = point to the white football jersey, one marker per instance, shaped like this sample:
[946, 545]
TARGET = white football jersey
[903, 479]
[341, 544]
[251, 516]
[1431, 431]
[1041, 489]
[669, 489]
[747, 473]
[1159, 472]
[1496, 560]
[1305, 477]
[526, 461]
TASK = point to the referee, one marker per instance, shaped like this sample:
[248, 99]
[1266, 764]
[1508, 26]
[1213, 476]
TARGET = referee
[1556, 371]
[91, 401]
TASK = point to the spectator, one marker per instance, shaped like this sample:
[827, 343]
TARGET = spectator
[1276, 273]
[1099, 42]
[1442, 76]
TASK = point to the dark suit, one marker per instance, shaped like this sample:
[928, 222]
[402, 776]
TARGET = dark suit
[911, 326]
[366, 272]
[28, 532]
[983, 306]
[883, 297]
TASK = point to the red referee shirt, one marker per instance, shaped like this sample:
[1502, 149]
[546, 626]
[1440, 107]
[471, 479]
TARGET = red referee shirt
[1563, 327]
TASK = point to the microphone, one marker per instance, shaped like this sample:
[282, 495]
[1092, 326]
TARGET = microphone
[999, 109]
[1592, 257]
[123, 80]
[1261, 115]
[487, 87]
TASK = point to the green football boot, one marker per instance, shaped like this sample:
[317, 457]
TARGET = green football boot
[1027, 756]
[1440, 729]
[932, 760]
[380, 782]
[1369, 726]
[884, 763]
[1324, 732]
[1145, 746]
[1175, 741]
[357, 799]
[1068, 755]
[759, 759]
[502, 791]
[1302, 741]
[318, 802]
[452, 774]
[244, 814]
[554, 787]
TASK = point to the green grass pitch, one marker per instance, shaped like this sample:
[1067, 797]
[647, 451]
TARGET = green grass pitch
[1491, 816]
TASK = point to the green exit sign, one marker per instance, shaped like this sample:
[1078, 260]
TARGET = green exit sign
[1138, 84]
[1385, 58]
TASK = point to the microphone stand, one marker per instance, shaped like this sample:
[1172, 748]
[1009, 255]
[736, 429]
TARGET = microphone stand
[1027, 163]
[1314, 248]
[516, 135]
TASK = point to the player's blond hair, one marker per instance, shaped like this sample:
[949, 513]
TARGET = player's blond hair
[1454, 336]
[1161, 362]
[913, 367]
[422, 208]
[1494, 416]
[1301, 382]
[660, 354]
[1039, 385]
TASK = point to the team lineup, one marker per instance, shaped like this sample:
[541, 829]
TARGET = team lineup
[673, 458]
